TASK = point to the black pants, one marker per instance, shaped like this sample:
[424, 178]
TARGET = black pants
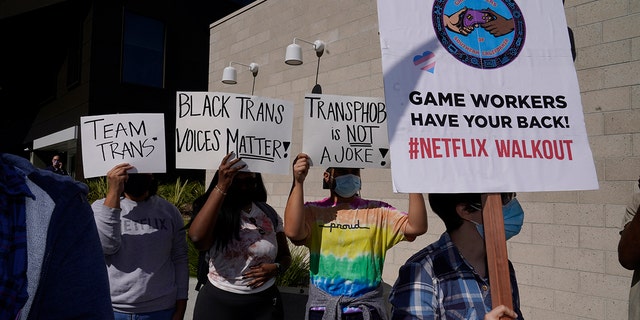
[213, 303]
[317, 315]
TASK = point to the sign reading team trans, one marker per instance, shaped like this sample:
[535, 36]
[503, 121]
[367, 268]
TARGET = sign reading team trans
[135, 138]
[482, 96]
[209, 125]
[342, 131]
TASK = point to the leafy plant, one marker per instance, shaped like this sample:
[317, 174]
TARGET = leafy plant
[297, 275]
[192, 254]
[181, 194]
[173, 193]
[98, 188]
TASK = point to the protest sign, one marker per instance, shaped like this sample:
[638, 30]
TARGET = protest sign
[348, 132]
[209, 125]
[482, 96]
[134, 138]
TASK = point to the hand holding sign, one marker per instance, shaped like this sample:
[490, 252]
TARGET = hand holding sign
[116, 177]
[210, 125]
[136, 138]
[301, 168]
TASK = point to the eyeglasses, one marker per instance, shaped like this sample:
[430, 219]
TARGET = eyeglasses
[253, 220]
[505, 197]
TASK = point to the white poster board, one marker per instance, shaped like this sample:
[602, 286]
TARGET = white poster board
[348, 132]
[134, 138]
[209, 125]
[482, 96]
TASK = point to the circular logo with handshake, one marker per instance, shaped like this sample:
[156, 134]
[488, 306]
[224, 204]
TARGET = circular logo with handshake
[486, 37]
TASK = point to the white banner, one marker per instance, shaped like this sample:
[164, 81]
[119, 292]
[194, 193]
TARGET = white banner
[134, 138]
[348, 132]
[209, 125]
[482, 96]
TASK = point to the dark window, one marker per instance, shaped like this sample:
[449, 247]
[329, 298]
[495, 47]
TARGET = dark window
[74, 61]
[143, 50]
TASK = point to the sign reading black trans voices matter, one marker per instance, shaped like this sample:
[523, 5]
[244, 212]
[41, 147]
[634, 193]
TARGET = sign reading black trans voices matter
[209, 125]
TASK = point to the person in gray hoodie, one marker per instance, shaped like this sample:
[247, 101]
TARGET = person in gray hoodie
[145, 248]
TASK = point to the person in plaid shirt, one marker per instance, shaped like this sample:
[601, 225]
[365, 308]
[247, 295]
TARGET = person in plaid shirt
[449, 278]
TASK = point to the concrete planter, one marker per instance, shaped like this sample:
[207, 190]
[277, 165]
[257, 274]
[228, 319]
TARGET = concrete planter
[294, 300]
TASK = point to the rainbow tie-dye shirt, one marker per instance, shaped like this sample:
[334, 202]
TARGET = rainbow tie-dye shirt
[348, 243]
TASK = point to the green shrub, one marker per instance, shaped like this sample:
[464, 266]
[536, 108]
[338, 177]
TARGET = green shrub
[181, 194]
[98, 188]
[192, 254]
[297, 275]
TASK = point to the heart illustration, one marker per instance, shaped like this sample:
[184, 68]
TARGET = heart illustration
[426, 61]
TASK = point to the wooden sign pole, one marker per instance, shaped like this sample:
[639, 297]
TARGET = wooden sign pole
[496, 244]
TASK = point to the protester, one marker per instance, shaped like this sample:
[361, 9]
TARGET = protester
[449, 278]
[144, 247]
[347, 237]
[51, 266]
[57, 165]
[246, 251]
[629, 252]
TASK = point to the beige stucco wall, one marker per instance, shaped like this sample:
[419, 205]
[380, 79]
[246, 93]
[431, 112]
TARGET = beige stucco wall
[565, 256]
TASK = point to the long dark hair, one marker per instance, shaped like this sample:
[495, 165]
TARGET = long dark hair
[228, 223]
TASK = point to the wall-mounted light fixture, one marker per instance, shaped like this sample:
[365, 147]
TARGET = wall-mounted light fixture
[230, 75]
[293, 57]
[294, 51]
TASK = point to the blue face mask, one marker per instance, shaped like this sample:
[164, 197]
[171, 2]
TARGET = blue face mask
[513, 216]
[347, 185]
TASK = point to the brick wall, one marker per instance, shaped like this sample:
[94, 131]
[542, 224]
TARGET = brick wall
[565, 256]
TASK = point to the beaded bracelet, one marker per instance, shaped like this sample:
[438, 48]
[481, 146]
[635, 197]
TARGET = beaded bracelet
[220, 190]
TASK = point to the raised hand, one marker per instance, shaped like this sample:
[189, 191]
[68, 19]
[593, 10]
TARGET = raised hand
[301, 167]
[228, 170]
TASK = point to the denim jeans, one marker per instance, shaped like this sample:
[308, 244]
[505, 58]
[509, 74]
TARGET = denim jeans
[156, 315]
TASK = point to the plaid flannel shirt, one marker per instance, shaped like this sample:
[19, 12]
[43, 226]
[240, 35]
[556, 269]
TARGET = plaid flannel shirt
[438, 283]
